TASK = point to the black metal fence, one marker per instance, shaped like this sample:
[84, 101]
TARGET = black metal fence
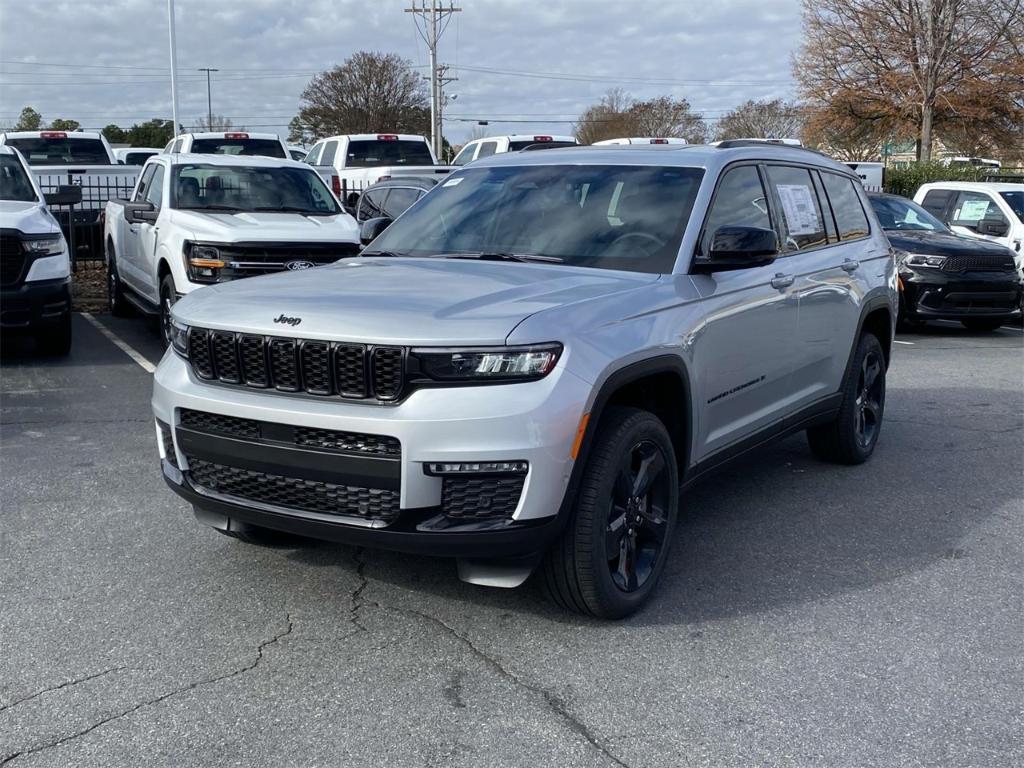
[82, 223]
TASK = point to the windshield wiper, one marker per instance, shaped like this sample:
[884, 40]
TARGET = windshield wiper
[499, 256]
[383, 253]
[293, 209]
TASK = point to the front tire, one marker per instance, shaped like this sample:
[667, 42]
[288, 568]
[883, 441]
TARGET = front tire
[168, 295]
[851, 437]
[612, 553]
[981, 325]
[116, 301]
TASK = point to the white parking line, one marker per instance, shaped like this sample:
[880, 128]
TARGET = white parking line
[120, 343]
[908, 343]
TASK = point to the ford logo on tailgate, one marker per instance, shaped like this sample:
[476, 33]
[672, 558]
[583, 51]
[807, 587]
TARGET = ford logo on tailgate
[299, 265]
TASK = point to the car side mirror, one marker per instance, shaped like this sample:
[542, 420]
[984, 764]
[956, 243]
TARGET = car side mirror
[993, 227]
[66, 194]
[739, 248]
[143, 212]
[371, 228]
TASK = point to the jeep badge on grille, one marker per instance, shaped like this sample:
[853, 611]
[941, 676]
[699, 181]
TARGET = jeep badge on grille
[292, 321]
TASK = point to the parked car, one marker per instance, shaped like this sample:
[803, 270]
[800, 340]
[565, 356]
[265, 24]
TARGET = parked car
[35, 266]
[75, 158]
[360, 160]
[945, 276]
[297, 153]
[986, 210]
[228, 143]
[392, 197]
[134, 155]
[196, 220]
[641, 140]
[526, 366]
[496, 145]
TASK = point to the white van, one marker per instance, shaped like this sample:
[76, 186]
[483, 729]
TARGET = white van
[495, 145]
[872, 175]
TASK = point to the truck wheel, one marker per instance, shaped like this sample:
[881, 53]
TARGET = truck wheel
[981, 325]
[852, 436]
[116, 301]
[56, 340]
[168, 295]
[612, 553]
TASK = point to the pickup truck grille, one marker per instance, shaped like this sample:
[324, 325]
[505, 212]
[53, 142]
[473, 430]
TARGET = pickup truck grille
[349, 371]
[12, 260]
[248, 260]
[979, 263]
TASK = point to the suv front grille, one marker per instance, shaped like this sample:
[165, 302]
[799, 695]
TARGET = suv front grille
[476, 497]
[295, 493]
[979, 263]
[12, 260]
[218, 424]
[350, 371]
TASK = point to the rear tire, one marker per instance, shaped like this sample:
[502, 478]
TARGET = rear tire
[981, 325]
[55, 341]
[116, 301]
[851, 437]
[608, 560]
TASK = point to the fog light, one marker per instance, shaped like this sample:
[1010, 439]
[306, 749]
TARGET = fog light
[478, 468]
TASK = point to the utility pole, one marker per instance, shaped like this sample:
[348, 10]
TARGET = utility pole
[174, 70]
[436, 18]
[209, 101]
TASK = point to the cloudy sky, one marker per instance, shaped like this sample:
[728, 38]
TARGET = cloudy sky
[525, 67]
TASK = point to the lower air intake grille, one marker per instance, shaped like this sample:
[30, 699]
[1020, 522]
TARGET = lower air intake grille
[348, 442]
[474, 497]
[218, 424]
[295, 493]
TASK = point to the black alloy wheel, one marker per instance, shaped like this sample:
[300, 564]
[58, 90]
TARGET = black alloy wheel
[168, 295]
[637, 521]
[868, 405]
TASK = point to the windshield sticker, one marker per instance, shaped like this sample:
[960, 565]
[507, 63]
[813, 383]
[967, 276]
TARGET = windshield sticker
[798, 205]
[452, 182]
[973, 210]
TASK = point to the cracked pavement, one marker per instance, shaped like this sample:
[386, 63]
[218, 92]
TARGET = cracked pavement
[810, 616]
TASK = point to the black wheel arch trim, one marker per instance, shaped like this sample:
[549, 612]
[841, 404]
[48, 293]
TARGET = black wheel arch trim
[872, 304]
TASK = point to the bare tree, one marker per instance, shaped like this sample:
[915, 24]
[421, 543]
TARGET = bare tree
[605, 120]
[776, 119]
[910, 61]
[369, 93]
[216, 123]
[619, 115]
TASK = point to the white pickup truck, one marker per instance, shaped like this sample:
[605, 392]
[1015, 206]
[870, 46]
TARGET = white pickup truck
[496, 145]
[362, 159]
[196, 220]
[77, 158]
[228, 143]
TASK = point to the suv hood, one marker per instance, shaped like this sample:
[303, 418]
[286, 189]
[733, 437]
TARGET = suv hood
[942, 244]
[391, 300]
[28, 217]
[266, 227]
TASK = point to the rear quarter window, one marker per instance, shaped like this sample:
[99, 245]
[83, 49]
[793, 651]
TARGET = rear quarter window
[851, 220]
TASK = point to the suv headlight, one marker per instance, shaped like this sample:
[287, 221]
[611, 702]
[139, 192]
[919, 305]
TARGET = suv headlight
[490, 364]
[923, 260]
[44, 245]
[179, 338]
[203, 263]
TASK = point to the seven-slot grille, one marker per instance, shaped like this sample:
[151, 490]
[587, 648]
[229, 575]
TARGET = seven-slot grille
[352, 371]
[979, 263]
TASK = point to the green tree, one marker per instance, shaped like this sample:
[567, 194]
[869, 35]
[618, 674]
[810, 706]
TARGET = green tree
[63, 124]
[153, 133]
[115, 134]
[30, 120]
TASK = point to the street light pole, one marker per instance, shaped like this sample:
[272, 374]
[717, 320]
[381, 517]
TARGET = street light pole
[174, 70]
[209, 102]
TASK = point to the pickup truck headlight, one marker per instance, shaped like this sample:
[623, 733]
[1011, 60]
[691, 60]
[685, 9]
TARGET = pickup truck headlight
[203, 263]
[488, 363]
[44, 245]
[179, 338]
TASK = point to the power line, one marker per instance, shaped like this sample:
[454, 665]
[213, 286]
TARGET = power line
[435, 21]
[618, 78]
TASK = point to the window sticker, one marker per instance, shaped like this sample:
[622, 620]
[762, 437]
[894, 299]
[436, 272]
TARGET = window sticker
[798, 205]
[973, 210]
[452, 182]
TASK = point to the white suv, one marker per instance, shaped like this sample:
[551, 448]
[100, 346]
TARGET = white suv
[496, 145]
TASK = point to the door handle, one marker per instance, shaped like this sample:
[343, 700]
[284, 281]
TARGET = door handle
[782, 281]
[851, 265]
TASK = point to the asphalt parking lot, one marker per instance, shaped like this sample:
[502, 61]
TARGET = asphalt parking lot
[811, 615]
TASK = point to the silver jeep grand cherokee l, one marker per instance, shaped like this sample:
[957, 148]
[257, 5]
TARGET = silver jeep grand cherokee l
[531, 364]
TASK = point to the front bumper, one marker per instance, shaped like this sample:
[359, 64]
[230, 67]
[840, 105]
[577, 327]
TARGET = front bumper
[35, 305]
[533, 422]
[935, 295]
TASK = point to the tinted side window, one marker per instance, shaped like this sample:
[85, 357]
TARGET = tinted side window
[155, 190]
[140, 191]
[850, 218]
[802, 221]
[487, 149]
[971, 207]
[330, 150]
[935, 202]
[830, 224]
[739, 202]
[400, 199]
[465, 155]
[370, 204]
[313, 157]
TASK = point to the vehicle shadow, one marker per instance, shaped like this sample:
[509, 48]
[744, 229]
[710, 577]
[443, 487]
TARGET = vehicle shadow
[779, 528]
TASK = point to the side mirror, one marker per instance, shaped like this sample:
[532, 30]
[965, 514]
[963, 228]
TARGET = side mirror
[140, 212]
[373, 227]
[993, 227]
[65, 195]
[740, 248]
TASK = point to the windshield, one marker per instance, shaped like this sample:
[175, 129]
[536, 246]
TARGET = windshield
[1016, 202]
[515, 146]
[14, 182]
[605, 216]
[262, 147]
[366, 154]
[241, 188]
[138, 158]
[62, 151]
[902, 214]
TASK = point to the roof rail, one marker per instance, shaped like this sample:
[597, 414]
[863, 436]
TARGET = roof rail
[736, 143]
